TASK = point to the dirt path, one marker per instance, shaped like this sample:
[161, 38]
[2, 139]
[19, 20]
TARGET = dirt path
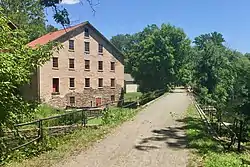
[155, 138]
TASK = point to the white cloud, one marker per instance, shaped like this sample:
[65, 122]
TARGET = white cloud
[70, 2]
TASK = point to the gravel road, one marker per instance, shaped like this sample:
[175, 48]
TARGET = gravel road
[155, 138]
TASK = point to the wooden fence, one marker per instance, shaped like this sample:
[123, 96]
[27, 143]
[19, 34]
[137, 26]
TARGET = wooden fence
[220, 130]
[34, 131]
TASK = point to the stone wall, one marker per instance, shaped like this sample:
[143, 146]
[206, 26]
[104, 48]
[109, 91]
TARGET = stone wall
[84, 98]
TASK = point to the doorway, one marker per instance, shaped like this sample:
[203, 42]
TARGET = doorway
[98, 101]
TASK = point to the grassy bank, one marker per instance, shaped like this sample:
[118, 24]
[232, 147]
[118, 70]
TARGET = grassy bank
[55, 149]
[204, 150]
[132, 96]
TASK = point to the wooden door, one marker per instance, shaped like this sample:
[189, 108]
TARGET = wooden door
[98, 101]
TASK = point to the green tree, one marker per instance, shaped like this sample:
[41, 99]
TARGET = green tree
[50, 28]
[17, 64]
[247, 55]
[125, 43]
[181, 44]
[27, 15]
[214, 37]
[154, 55]
[122, 42]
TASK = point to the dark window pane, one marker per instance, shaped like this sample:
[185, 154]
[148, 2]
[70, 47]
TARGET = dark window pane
[100, 82]
[100, 65]
[86, 32]
[87, 64]
[55, 84]
[72, 100]
[87, 82]
[100, 48]
[71, 44]
[112, 98]
[112, 82]
[72, 82]
[86, 46]
[55, 61]
[71, 63]
[112, 66]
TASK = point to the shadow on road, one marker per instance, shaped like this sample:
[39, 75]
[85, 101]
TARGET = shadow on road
[145, 147]
[172, 136]
[175, 137]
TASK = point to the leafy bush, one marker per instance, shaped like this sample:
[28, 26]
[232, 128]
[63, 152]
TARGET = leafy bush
[117, 115]
[17, 64]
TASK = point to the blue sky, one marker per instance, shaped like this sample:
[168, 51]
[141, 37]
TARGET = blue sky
[229, 17]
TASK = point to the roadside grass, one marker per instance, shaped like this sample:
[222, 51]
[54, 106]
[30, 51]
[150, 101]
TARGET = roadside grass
[56, 149]
[206, 151]
[61, 147]
[132, 96]
[95, 121]
[44, 111]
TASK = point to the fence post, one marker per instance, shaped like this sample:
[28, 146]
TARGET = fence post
[82, 118]
[106, 107]
[137, 102]
[85, 119]
[40, 131]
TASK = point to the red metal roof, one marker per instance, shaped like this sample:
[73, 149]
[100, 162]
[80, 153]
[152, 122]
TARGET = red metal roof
[51, 36]
[54, 35]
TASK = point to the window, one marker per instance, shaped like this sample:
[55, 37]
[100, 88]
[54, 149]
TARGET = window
[100, 65]
[112, 98]
[112, 82]
[55, 62]
[112, 66]
[100, 48]
[72, 100]
[87, 82]
[86, 46]
[55, 85]
[71, 45]
[71, 63]
[100, 82]
[87, 64]
[86, 32]
[71, 82]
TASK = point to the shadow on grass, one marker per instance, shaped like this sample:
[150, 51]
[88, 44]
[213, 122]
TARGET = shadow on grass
[190, 134]
[198, 137]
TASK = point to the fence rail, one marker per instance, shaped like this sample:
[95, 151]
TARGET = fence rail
[228, 139]
[30, 132]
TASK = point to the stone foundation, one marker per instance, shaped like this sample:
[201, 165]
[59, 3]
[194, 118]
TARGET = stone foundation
[87, 98]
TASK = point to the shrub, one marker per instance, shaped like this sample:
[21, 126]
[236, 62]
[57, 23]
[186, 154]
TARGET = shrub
[117, 115]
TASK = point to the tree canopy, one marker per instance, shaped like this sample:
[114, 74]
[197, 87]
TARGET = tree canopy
[27, 15]
[155, 55]
[18, 62]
